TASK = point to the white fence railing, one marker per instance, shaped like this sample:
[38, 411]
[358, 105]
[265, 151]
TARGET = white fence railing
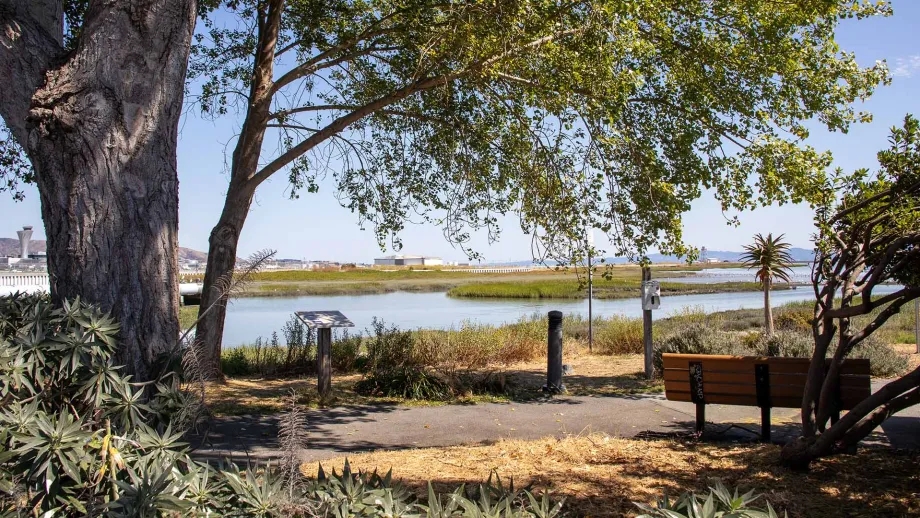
[24, 279]
[496, 269]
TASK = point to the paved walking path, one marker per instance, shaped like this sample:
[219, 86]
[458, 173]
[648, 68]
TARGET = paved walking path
[347, 430]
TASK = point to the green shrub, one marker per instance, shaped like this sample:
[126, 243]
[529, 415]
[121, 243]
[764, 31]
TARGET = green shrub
[405, 381]
[389, 347]
[884, 362]
[699, 338]
[233, 362]
[346, 352]
[619, 335]
[720, 502]
[794, 344]
[794, 318]
[77, 434]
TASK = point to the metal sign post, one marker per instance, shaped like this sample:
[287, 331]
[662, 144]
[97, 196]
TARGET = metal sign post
[590, 240]
[651, 299]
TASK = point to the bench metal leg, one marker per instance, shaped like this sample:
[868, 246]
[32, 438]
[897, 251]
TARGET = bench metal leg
[765, 424]
[700, 417]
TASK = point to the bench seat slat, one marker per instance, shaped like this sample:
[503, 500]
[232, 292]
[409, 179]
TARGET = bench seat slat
[731, 380]
[726, 363]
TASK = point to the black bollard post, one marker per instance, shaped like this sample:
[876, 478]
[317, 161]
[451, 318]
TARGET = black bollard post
[554, 355]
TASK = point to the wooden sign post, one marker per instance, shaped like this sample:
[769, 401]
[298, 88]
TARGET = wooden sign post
[323, 322]
[651, 299]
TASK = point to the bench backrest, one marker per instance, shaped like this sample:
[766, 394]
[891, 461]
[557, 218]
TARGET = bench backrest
[733, 380]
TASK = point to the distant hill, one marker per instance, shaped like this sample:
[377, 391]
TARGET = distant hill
[798, 255]
[10, 247]
[187, 254]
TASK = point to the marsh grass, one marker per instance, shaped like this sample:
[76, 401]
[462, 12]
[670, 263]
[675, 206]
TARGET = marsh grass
[616, 288]
[187, 316]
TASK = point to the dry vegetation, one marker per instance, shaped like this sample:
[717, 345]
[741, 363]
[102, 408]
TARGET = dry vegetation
[601, 476]
[594, 375]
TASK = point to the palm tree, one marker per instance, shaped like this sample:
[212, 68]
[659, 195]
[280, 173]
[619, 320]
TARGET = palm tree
[770, 257]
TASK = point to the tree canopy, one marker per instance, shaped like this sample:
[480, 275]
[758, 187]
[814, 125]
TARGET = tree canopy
[602, 113]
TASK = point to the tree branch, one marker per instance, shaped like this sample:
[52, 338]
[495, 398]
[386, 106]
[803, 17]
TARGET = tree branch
[428, 83]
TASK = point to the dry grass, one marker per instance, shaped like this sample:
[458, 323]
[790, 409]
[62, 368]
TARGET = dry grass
[594, 375]
[601, 476]
[910, 352]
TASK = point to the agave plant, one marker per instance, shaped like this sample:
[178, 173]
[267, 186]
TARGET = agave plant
[770, 259]
[720, 502]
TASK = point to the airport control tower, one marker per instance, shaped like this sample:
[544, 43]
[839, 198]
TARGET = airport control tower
[25, 235]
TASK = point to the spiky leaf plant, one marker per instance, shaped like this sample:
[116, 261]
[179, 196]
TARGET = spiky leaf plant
[719, 503]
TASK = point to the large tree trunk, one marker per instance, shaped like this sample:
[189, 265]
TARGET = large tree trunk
[99, 124]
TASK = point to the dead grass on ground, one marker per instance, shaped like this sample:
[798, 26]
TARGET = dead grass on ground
[601, 476]
[593, 375]
[909, 351]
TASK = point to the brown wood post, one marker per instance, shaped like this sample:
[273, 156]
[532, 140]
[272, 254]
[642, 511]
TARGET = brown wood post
[324, 361]
[647, 328]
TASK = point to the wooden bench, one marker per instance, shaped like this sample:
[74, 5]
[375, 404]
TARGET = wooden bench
[765, 382]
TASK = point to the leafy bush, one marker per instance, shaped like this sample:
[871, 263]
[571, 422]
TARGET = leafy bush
[720, 502]
[78, 435]
[406, 381]
[77, 438]
[884, 362]
[233, 362]
[795, 344]
[389, 347]
[346, 353]
[795, 318]
[699, 338]
[619, 335]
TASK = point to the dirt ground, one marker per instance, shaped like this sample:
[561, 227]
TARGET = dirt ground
[598, 475]
[591, 375]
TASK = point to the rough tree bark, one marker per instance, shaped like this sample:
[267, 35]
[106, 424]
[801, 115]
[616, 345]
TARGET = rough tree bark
[99, 124]
[767, 309]
[224, 239]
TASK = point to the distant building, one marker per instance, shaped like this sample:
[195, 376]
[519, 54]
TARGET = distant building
[408, 260]
[711, 260]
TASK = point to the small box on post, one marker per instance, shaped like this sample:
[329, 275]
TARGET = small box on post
[323, 322]
[651, 299]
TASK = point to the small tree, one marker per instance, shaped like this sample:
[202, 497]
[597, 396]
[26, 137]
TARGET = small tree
[770, 256]
[869, 237]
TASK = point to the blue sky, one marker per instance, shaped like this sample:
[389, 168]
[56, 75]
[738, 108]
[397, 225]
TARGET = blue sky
[316, 227]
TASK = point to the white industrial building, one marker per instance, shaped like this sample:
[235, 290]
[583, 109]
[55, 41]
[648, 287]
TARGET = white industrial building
[408, 260]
